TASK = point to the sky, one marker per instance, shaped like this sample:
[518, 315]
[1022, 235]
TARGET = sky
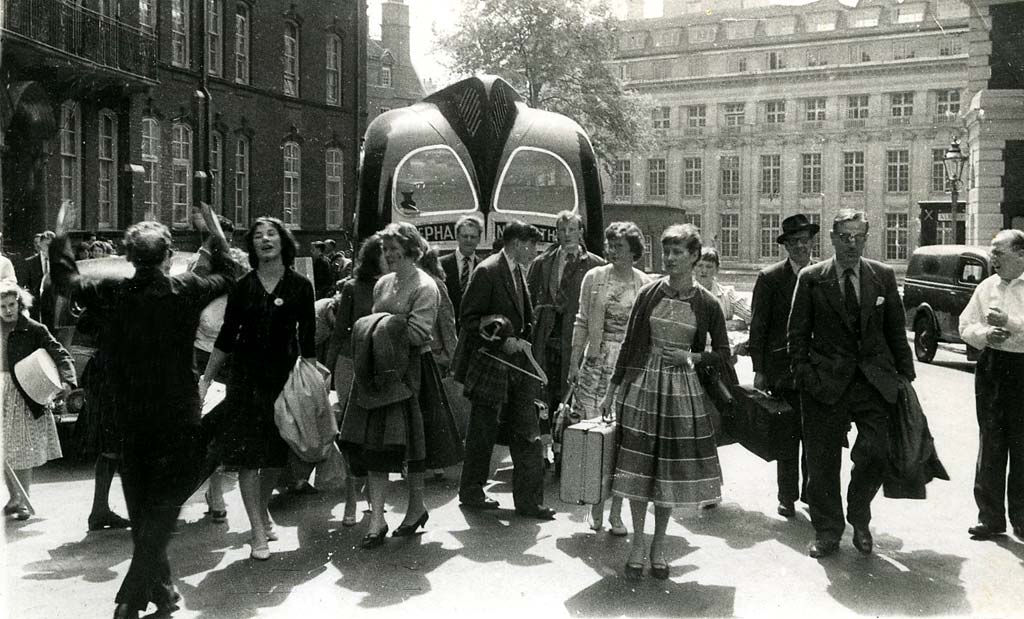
[428, 17]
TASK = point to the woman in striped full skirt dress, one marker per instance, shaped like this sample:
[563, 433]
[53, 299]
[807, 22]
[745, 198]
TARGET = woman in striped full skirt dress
[667, 454]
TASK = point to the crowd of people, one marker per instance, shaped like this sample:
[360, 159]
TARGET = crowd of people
[516, 334]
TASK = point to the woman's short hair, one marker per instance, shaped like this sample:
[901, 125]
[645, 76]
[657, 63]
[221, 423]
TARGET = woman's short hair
[289, 247]
[430, 262]
[407, 236]
[368, 260]
[147, 243]
[687, 235]
[710, 254]
[629, 231]
[9, 289]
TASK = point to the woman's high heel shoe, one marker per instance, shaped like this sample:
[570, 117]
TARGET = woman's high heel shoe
[373, 540]
[406, 530]
[659, 570]
[634, 571]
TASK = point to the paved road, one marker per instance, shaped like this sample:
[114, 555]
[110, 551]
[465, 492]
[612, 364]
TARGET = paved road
[738, 560]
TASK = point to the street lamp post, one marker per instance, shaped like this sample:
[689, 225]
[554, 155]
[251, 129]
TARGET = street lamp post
[953, 162]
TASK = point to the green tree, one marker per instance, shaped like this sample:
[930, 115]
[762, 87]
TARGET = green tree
[559, 55]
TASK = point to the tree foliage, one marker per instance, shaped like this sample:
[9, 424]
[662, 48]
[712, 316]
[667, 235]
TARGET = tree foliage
[558, 54]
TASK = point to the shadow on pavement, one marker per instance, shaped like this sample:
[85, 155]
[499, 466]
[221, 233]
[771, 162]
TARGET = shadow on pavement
[918, 583]
[92, 559]
[1014, 547]
[740, 528]
[618, 597]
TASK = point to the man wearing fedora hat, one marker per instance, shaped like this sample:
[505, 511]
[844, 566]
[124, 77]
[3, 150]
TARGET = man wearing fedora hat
[773, 296]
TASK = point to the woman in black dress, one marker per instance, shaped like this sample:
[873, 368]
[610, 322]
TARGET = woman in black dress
[259, 328]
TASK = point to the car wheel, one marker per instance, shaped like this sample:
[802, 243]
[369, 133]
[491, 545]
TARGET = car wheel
[926, 339]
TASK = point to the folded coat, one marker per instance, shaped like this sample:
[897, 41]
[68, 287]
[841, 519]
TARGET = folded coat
[913, 461]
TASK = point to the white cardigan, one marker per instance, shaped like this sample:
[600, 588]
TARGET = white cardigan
[588, 330]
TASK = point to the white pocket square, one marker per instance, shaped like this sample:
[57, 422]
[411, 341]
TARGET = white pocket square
[879, 301]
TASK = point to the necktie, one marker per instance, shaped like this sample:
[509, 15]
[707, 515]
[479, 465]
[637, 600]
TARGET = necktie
[464, 276]
[850, 301]
[568, 270]
[524, 301]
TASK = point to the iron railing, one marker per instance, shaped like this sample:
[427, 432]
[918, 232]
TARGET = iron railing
[82, 33]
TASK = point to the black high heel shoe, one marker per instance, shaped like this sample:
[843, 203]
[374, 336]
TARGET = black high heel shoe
[373, 540]
[634, 571]
[406, 530]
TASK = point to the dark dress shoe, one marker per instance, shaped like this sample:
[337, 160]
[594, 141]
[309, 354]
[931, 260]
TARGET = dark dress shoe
[373, 540]
[484, 503]
[822, 548]
[862, 540]
[109, 520]
[124, 611]
[984, 531]
[405, 530]
[787, 510]
[540, 513]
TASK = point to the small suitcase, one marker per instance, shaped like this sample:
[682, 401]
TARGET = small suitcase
[766, 426]
[588, 461]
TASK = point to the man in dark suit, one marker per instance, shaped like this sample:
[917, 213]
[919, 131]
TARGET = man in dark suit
[323, 278]
[555, 279]
[501, 397]
[34, 276]
[849, 348]
[772, 300]
[459, 264]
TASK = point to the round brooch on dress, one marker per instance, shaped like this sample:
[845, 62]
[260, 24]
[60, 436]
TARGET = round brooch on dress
[279, 301]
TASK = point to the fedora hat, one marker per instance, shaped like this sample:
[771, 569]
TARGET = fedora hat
[38, 376]
[796, 223]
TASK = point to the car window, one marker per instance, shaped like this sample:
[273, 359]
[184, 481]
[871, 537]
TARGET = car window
[431, 180]
[536, 181]
[971, 271]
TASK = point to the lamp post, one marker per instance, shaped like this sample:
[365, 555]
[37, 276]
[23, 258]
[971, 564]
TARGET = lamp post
[953, 162]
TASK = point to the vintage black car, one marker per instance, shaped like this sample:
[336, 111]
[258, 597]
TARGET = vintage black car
[939, 283]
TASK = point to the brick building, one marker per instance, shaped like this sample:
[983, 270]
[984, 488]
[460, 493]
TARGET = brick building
[140, 108]
[763, 111]
[391, 79]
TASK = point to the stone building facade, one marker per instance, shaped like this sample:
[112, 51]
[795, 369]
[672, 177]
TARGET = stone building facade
[765, 111]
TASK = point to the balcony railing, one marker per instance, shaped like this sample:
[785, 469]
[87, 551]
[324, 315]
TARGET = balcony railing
[899, 120]
[851, 123]
[82, 33]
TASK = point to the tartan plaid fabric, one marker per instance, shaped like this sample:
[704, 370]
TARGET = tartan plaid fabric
[486, 379]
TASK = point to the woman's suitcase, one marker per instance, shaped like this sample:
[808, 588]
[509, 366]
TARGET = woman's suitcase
[588, 461]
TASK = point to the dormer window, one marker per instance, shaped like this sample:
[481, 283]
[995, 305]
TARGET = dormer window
[821, 22]
[702, 34]
[909, 14]
[741, 29]
[864, 18]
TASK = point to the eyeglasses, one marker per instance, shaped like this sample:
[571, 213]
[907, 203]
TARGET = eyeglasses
[850, 238]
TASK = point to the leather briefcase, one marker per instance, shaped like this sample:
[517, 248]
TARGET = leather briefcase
[766, 426]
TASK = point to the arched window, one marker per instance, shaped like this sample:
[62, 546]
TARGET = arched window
[292, 207]
[334, 70]
[181, 172]
[217, 171]
[71, 154]
[180, 36]
[151, 164]
[334, 197]
[242, 43]
[106, 184]
[241, 202]
[291, 59]
[215, 37]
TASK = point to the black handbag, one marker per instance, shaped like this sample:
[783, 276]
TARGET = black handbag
[719, 401]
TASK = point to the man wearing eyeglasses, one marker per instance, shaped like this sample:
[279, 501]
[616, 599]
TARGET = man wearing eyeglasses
[772, 300]
[849, 351]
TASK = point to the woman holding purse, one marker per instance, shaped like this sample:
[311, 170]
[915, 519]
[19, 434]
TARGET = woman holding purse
[265, 311]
